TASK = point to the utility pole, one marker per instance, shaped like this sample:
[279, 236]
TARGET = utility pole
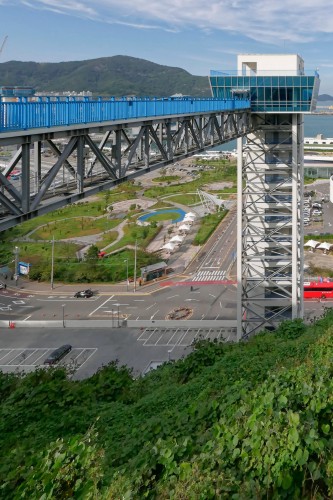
[126, 260]
[135, 265]
[16, 273]
[52, 263]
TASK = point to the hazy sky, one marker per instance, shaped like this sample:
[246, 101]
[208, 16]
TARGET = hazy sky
[196, 35]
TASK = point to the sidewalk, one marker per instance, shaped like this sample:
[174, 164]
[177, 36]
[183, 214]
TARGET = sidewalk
[44, 288]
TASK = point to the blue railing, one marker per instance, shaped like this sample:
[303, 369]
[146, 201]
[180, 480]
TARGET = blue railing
[59, 112]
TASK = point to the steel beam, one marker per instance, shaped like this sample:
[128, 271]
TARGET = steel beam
[270, 233]
[170, 138]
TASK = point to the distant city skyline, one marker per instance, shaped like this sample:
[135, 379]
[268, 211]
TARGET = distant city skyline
[191, 34]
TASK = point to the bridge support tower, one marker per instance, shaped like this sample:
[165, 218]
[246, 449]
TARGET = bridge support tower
[270, 187]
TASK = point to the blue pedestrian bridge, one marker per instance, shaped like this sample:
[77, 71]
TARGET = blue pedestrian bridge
[45, 112]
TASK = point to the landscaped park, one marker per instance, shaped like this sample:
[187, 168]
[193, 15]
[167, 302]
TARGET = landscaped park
[107, 236]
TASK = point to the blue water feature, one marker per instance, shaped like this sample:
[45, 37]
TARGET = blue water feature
[179, 211]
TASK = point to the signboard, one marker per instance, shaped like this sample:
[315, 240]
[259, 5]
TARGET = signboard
[23, 268]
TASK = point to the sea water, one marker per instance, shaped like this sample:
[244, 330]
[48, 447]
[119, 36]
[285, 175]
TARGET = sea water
[313, 125]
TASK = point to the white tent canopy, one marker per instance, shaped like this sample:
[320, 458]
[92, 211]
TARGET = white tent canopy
[176, 239]
[325, 246]
[184, 227]
[311, 243]
[190, 214]
[169, 246]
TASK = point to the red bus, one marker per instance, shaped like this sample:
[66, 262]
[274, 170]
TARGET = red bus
[320, 289]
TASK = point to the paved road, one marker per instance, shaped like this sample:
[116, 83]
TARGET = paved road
[140, 349]
[212, 301]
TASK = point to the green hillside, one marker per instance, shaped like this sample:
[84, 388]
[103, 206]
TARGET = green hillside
[117, 75]
[245, 421]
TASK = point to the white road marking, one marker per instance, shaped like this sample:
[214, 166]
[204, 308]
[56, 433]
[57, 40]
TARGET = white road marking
[152, 305]
[25, 319]
[152, 317]
[212, 295]
[18, 302]
[107, 300]
[172, 296]
[139, 300]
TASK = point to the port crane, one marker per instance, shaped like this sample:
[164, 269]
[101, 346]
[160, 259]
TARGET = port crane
[3, 44]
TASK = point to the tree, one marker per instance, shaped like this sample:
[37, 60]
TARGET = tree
[92, 253]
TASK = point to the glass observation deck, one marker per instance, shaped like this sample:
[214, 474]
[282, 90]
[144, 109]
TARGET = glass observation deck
[283, 92]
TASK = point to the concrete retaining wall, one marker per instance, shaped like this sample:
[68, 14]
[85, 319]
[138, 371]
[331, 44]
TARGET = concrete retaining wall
[114, 324]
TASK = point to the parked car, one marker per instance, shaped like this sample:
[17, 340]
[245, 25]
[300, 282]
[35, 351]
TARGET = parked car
[58, 354]
[84, 293]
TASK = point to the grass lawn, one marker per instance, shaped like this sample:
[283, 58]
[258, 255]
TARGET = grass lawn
[140, 234]
[108, 238]
[74, 227]
[184, 198]
[33, 253]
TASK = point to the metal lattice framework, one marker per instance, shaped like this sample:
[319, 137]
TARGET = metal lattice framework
[209, 201]
[270, 232]
[136, 148]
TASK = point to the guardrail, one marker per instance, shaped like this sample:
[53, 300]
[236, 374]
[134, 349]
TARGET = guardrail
[49, 112]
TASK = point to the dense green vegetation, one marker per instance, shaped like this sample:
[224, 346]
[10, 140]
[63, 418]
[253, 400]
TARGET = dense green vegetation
[208, 224]
[117, 76]
[252, 420]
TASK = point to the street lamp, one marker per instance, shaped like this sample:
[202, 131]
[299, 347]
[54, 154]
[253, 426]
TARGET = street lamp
[126, 260]
[52, 263]
[63, 315]
[117, 313]
[16, 274]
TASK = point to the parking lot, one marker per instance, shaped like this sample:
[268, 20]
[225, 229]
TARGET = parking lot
[183, 337]
[28, 359]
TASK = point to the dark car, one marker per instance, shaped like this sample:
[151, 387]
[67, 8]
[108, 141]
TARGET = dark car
[58, 354]
[84, 293]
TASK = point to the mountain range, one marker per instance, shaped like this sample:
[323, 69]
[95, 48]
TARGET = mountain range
[116, 76]
[325, 97]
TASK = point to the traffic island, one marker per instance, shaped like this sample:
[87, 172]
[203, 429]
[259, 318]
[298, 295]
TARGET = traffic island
[180, 313]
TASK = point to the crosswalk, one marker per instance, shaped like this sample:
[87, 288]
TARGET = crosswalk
[217, 275]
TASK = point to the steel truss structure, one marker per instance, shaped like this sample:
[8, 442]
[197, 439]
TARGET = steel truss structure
[136, 147]
[270, 230]
[209, 201]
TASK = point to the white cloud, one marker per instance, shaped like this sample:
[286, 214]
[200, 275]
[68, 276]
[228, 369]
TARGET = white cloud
[266, 21]
[83, 9]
